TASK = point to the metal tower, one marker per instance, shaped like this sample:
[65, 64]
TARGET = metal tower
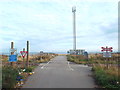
[74, 28]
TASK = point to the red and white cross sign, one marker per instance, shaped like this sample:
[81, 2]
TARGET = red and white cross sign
[106, 49]
[23, 53]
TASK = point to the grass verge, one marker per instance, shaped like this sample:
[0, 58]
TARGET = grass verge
[105, 79]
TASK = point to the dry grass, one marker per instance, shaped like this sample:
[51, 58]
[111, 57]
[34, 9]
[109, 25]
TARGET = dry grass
[33, 60]
[109, 67]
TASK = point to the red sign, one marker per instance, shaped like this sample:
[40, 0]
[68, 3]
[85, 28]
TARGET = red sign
[106, 49]
[23, 53]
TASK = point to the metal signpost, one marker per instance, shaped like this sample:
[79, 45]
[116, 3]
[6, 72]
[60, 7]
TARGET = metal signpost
[107, 54]
[23, 53]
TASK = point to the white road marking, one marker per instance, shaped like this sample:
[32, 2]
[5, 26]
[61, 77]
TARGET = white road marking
[83, 65]
[70, 67]
[40, 64]
[45, 65]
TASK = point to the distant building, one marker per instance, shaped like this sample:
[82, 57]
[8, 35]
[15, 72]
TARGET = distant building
[41, 53]
[76, 52]
[86, 55]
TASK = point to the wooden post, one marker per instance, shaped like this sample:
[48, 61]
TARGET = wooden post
[27, 62]
[12, 46]
[108, 62]
[104, 62]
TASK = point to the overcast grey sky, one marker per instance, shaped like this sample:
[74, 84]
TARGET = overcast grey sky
[48, 24]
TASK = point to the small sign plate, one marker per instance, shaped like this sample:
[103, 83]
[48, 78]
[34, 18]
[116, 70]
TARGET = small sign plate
[106, 54]
[12, 58]
[13, 50]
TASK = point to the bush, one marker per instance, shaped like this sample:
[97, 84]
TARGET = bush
[105, 80]
[9, 75]
[29, 69]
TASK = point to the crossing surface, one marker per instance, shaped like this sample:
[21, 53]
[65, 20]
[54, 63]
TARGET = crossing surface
[59, 73]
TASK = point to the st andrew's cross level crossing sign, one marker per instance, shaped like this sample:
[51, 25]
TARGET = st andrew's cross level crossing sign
[106, 51]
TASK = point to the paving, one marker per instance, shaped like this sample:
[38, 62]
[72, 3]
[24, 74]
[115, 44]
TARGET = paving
[59, 73]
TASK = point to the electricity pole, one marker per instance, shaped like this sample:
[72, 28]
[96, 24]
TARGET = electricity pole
[74, 28]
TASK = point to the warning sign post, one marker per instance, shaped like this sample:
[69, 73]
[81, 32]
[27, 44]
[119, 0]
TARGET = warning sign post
[23, 53]
[107, 54]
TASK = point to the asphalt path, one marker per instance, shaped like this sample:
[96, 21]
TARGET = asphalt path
[59, 73]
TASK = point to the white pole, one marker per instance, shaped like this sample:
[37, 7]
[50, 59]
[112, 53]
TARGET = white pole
[74, 28]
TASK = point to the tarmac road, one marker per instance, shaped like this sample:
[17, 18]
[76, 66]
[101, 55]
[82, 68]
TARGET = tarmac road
[59, 73]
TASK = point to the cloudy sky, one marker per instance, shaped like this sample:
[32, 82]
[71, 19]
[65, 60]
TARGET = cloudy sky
[48, 24]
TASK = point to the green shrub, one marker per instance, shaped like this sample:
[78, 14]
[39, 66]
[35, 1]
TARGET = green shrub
[29, 69]
[9, 75]
[105, 80]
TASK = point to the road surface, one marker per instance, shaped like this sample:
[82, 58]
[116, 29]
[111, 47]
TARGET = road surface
[59, 73]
